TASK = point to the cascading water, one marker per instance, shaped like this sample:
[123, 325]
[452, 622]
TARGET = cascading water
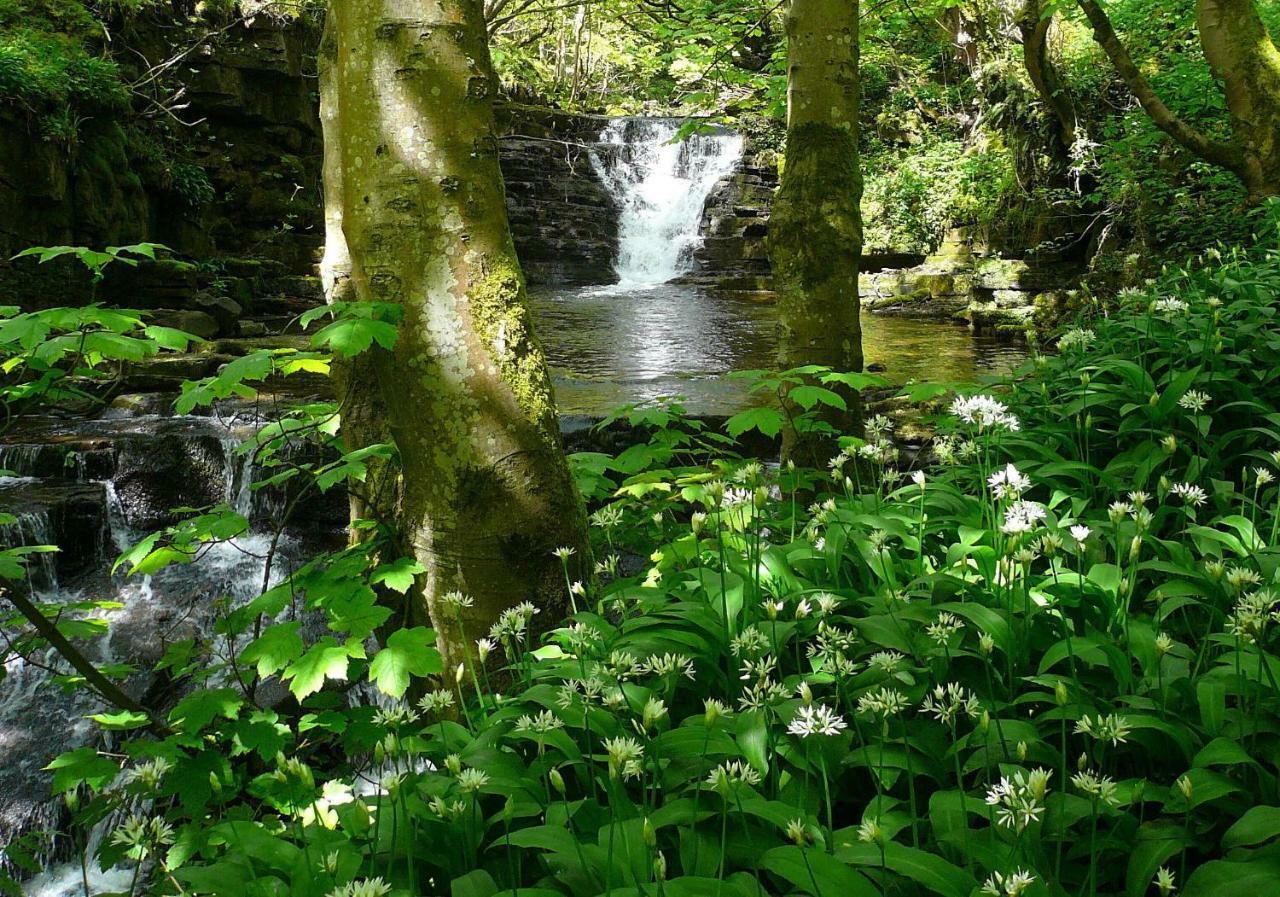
[37, 721]
[660, 188]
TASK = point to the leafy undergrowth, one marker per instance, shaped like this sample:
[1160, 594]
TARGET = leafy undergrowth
[1042, 665]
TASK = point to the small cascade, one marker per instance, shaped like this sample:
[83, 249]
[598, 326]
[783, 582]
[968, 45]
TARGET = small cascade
[661, 188]
[33, 528]
[238, 477]
[22, 460]
[37, 721]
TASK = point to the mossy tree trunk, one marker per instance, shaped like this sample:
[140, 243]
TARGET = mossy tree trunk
[415, 215]
[1035, 26]
[815, 227]
[1243, 56]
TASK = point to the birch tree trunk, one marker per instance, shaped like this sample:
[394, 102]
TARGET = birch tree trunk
[415, 215]
[815, 227]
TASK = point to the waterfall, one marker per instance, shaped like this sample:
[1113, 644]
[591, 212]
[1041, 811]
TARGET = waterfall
[38, 721]
[660, 188]
[33, 528]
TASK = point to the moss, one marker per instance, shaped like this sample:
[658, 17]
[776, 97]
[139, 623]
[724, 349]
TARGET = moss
[814, 225]
[500, 316]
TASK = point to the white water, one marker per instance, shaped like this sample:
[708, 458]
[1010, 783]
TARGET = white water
[660, 188]
[182, 596]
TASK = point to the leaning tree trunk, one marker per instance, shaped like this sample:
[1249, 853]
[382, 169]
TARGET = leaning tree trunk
[815, 228]
[416, 217]
[1034, 26]
[1242, 54]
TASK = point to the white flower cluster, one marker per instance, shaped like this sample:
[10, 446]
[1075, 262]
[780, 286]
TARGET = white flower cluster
[1076, 338]
[986, 412]
[1019, 800]
[1022, 517]
[1008, 483]
[816, 719]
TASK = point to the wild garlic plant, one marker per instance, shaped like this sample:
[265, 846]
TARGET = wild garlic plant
[1042, 663]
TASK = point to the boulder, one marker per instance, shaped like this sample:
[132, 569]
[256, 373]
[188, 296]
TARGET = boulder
[223, 309]
[197, 323]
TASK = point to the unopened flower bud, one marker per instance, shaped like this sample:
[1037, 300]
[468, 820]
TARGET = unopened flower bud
[1185, 786]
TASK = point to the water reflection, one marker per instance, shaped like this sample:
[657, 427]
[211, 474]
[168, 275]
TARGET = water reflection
[608, 347]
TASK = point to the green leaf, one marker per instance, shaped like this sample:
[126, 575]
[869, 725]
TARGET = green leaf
[83, 766]
[123, 720]
[277, 647]
[1257, 825]
[326, 659]
[169, 338]
[1156, 842]
[408, 652]
[926, 869]
[752, 732]
[809, 396]
[351, 336]
[767, 421]
[476, 883]
[198, 709]
[398, 575]
[817, 873]
[1223, 878]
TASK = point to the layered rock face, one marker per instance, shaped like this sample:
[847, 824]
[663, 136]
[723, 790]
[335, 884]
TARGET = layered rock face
[992, 292]
[733, 257]
[246, 197]
[563, 220]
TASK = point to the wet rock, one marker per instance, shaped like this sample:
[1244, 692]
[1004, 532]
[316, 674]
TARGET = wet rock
[563, 221]
[69, 514]
[166, 373]
[223, 309]
[155, 474]
[735, 225]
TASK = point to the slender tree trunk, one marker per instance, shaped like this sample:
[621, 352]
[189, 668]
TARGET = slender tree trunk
[815, 228]
[416, 216]
[1242, 54]
[1034, 26]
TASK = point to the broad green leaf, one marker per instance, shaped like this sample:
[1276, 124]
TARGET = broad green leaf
[408, 652]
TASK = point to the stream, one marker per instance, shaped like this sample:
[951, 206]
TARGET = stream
[95, 486]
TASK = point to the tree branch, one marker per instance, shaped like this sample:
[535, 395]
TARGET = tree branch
[1034, 25]
[107, 689]
[1226, 155]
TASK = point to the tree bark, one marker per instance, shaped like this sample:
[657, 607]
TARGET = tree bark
[815, 228]
[1242, 54]
[1034, 26]
[415, 215]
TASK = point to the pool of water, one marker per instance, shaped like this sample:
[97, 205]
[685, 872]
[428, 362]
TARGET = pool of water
[610, 346]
